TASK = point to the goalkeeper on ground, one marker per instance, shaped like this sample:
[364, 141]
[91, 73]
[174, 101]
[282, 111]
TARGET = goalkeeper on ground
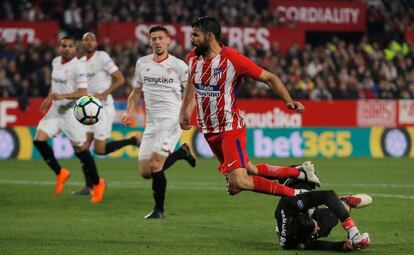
[300, 223]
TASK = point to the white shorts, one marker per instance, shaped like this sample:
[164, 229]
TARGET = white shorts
[160, 136]
[54, 122]
[102, 129]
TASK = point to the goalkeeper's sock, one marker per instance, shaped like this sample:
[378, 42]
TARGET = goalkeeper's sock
[159, 186]
[349, 225]
[277, 172]
[262, 185]
[48, 155]
[116, 145]
[88, 163]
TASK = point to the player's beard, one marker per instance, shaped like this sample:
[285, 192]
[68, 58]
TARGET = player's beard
[201, 49]
[159, 53]
[88, 52]
[90, 48]
[68, 56]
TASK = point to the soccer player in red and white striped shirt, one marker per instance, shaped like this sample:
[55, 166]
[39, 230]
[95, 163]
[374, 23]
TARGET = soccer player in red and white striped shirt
[213, 78]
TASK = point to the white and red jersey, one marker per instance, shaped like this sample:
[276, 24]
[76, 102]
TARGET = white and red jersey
[215, 81]
[99, 68]
[67, 78]
[161, 83]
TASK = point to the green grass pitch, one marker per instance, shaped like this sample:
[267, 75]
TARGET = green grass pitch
[201, 217]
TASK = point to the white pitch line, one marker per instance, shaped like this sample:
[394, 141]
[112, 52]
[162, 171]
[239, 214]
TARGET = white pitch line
[119, 184]
[206, 184]
[392, 196]
[191, 185]
[374, 185]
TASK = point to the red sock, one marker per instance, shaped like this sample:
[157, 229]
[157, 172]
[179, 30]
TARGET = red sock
[278, 172]
[262, 185]
[348, 223]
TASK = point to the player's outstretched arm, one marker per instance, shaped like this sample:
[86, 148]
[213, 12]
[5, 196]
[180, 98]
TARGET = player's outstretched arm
[187, 106]
[75, 95]
[45, 104]
[118, 80]
[277, 86]
[133, 98]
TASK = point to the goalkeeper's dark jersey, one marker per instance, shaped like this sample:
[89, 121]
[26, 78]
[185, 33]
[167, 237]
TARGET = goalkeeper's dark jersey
[290, 207]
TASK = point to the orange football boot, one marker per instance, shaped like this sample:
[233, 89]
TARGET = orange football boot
[61, 178]
[98, 191]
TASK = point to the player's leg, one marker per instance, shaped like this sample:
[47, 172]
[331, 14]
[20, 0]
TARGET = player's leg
[235, 162]
[151, 168]
[145, 152]
[305, 171]
[272, 172]
[104, 147]
[326, 220]
[88, 163]
[87, 189]
[102, 132]
[40, 142]
[359, 241]
[76, 133]
[46, 128]
[356, 201]
[330, 199]
[166, 136]
[159, 185]
[160, 139]
[147, 164]
[182, 153]
[239, 180]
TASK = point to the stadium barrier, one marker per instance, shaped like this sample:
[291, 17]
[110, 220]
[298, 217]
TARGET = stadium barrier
[17, 143]
[321, 15]
[376, 142]
[260, 113]
[345, 128]
[237, 37]
[29, 32]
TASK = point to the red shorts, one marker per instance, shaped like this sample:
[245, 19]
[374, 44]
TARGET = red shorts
[230, 149]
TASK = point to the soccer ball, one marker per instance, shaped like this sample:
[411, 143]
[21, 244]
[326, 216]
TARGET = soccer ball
[87, 110]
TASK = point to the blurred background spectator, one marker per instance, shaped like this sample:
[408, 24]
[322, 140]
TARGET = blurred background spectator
[373, 64]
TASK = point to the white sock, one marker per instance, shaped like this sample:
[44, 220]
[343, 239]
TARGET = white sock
[300, 191]
[352, 232]
[302, 175]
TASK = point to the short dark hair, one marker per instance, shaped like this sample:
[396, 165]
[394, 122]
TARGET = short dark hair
[67, 37]
[158, 28]
[208, 24]
[302, 226]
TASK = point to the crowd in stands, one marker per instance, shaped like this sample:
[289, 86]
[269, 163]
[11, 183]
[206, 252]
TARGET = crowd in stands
[370, 68]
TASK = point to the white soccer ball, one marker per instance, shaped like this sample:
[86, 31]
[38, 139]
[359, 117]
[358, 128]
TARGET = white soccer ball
[88, 110]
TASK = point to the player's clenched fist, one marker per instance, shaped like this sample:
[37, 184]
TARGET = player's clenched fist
[184, 122]
[125, 119]
[297, 106]
[45, 105]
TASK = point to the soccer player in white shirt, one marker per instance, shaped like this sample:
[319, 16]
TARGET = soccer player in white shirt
[68, 84]
[103, 77]
[161, 77]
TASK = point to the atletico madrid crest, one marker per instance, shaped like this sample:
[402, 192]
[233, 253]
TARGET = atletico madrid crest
[217, 73]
